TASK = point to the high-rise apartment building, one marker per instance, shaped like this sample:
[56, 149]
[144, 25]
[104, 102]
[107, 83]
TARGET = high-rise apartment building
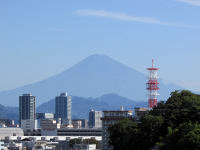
[95, 119]
[63, 108]
[26, 107]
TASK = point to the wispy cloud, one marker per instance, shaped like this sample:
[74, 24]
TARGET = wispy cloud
[125, 17]
[192, 2]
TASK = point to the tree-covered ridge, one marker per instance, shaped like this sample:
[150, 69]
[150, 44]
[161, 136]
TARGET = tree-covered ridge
[173, 125]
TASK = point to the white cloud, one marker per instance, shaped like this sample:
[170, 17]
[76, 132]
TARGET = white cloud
[192, 2]
[125, 17]
[119, 16]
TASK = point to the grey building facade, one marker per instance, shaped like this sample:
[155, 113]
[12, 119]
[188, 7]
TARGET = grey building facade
[63, 105]
[84, 122]
[26, 107]
[42, 116]
[95, 119]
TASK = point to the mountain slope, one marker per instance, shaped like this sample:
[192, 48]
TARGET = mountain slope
[9, 113]
[81, 106]
[92, 77]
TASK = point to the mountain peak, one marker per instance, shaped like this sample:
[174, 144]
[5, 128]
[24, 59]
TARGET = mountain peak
[92, 77]
[97, 58]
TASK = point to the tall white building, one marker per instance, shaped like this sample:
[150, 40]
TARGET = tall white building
[63, 106]
[26, 107]
[95, 119]
[27, 117]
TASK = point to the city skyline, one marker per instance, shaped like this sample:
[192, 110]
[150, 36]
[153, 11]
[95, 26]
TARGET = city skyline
[43, 38]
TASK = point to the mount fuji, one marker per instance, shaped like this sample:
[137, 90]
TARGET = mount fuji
[92, 77]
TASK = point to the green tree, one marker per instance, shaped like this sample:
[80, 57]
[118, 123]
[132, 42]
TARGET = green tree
[185, 137]
[123, 135]
[182, 106]
[150, 131]
[92, 141]
[171, 125]
[72, 142]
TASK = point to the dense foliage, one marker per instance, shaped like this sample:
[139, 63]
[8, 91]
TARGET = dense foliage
[173, 125]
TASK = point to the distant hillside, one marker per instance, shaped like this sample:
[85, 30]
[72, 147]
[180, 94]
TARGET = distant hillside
[94, 76]
[81, 106]
[9, 113]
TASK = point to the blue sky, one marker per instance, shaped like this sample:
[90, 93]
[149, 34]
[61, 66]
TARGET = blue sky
[41, 38]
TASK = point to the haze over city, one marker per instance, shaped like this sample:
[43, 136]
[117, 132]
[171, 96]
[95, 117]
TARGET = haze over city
[39, 39]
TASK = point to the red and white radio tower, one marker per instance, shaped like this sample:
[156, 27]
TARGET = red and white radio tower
[152, 86]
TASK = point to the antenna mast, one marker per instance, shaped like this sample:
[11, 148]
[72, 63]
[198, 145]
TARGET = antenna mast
[152, 86]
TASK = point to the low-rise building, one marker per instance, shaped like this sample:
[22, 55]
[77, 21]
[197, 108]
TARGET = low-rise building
[84, 122]
[49, 127]
[13, 146]
[2, 145]
[79, 132]
[42, 116]
[48, 142]
[140, 112]
[95, 119]
[29, 125]
[76, 123]
[84, 147]
[6, 132]
[6, 122]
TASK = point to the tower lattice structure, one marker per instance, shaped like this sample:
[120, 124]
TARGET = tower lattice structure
[152, 86]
